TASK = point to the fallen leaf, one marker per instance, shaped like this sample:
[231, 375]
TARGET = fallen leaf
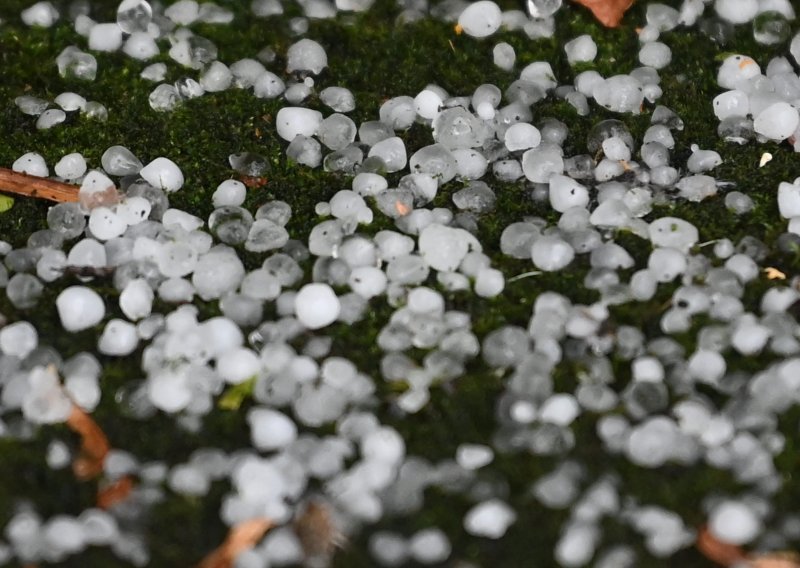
[717, 551]
[240, 538]
[114, 493]
[608, 12]
[94, 444]
[6, 203]
[774, 274]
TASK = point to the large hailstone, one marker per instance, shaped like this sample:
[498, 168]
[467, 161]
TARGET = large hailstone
[480, 19]
[79, 308]
[316, 305]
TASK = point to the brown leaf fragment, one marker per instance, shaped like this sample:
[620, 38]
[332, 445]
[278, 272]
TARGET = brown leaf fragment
[114, 493]
[717, 551]
[33, 186]
[608, 12]
[94, 444]
[240, 538]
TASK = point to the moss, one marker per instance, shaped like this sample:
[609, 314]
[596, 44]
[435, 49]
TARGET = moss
[377, 60]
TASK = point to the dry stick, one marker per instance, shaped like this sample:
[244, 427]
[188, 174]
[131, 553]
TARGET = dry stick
[241, 537]
[33, 186]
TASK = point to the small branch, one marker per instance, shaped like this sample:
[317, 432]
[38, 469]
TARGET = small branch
[33, 186]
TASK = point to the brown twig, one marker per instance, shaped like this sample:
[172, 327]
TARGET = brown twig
[33, 186]
[240, 538]
[94, 444]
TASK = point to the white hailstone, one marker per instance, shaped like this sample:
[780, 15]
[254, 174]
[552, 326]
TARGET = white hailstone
[64, 534]
[581, 49]
[367, 281]
[169, 390]
[566, 193]
[707, 366]
[105, 224]
[140, 46]
[306, 55]
[217, 272]
[560, 409]
[577, 545]
[540, 73]
[136, 299]
[293, 121]
[521, 136]
[615, 148]
[392, 151]
[655, 54]
[652, 442]
[45, 402]
[383, 445]
[134, 210]
[79, 308]
[316, 305]
[539, 163]
[71, 166]
[18, 339]
[427, 104]
[673, 232]
[481, 19]
[216, 78]
[749, 337]
[443, 248]
[237, 365]
[736, 71]
[105, 37]
[184, 220]
[429, 546]
[32, 164]
[183, 12]
[155, 72]
[368, 183]
[119, 338]
[489, 519]
[70, 101]
[620, 93]
[788, 200]
[504, 56]
[58, 455]
[269, 429]
[777, 122]
[647, 369]
[268, 86]
[474, 456]
[666, 263]
[736, 11]
[731, 103]
[489, 283]
[734, 522]
[164, 174]
[551, 253]
[41, 14]
[50, 118]
[229, 192]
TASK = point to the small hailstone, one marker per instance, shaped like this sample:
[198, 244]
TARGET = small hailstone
[736, 11]
[136, 299]
[474, 456]
[788, 200]
[655, 54]
[50, 118]
[489, 519]
[522, 136]
[620, 93]
[737, 70]
[105, 224]
[560, 409]
[777, 122]
[427, 104]
[269, 429]
[18, 339]
[71, 166]
[70, 101]
[32, 106]
[58, 455]
[429, 546]
[566, 193]
[183, 12]
[734, 522]
[581, 49]
[504, 56]
[119, 338]
[156, 72]
[164, 174]
[489, 283]
[134, 210]
[79, 308]
[551, 253]
[367, 281]
[443, 248]
[32, 164]
[539, 163]
[316, 305]
[673, 232]
[105, 37]
[480, 19]
[731, 103]
[229, 192]
[41, 14]
[293, 121]
[216, 77]
[237, 365]
[306, 55]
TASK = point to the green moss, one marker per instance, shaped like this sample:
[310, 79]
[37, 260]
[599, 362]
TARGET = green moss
[377, 60]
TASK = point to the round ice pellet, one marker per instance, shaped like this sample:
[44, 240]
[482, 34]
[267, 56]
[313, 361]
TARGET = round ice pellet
[316, 305]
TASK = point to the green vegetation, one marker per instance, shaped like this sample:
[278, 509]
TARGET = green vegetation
[376, 60]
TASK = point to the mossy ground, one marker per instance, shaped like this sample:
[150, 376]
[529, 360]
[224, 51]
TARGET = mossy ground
[376, 60]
